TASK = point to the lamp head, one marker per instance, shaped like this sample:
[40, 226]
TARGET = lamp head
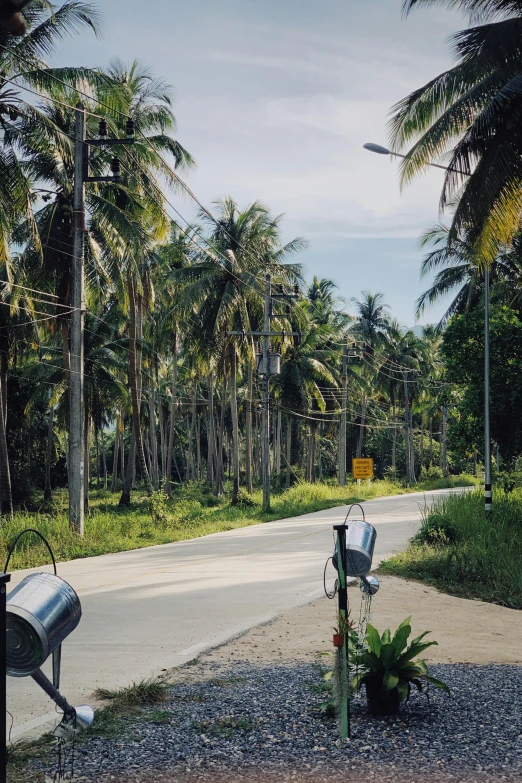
[378, 148]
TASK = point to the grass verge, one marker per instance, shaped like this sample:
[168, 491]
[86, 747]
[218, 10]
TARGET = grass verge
[462, 553]
[191, 513]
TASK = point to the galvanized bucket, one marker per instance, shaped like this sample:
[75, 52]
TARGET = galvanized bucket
[41, 612]
[360, 543]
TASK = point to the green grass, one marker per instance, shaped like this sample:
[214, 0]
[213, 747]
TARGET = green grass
[192, 513]
[462, 553]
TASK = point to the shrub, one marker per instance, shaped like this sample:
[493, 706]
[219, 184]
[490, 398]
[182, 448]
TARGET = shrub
[431, 473]
[437, 530]
[509, 481]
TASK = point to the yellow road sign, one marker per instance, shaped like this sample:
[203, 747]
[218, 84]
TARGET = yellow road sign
[362, 468]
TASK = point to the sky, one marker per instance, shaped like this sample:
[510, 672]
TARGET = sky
[275, 99]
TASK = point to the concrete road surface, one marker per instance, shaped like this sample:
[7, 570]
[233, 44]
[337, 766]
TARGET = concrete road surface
[151, 609]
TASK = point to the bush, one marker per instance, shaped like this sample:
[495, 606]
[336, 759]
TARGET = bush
[244, 500]
[437, 530]
[509, 481]
[431, 473]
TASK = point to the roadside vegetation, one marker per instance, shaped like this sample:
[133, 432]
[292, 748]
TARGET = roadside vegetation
[190, 513]
[458, 550]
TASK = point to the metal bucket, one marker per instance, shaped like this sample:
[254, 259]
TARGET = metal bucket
[360, 543]
[41, 612]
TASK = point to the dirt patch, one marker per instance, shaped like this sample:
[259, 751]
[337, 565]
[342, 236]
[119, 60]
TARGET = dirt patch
[468, 631]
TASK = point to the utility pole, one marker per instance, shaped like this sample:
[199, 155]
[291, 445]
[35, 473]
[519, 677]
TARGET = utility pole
[342, 430]
[76, 392]
[488, 496]
[265, 414]
[265, 369]
[76, 417]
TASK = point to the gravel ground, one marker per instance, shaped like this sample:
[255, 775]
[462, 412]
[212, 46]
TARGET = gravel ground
[251, 723]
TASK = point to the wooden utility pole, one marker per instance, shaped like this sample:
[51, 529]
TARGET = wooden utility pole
[342, 426]
[76, 402]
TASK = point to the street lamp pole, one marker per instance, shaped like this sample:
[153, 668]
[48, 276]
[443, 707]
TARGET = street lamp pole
[488, 499]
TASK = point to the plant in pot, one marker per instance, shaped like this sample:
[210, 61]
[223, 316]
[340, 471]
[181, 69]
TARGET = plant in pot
[385, 665]
[342, 629]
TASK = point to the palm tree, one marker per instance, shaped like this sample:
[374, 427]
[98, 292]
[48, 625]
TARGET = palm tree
[470, 116]
[222, 291]
[307, 384]
[371, 327]
[460, 272]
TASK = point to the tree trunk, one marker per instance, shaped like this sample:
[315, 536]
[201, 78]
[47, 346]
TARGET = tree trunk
[313, 440]
[135, 398]
[422, 444]
[278, 444]
[219, 489]
[431, 440]
[394, 446]
[443, 448]
[288, 451]
[87, 460]
[172, 423]
[117, 437]
[211, 437]
[104, 460]
[360, 444]
[248, 428]
[97, 442]
[153, 438]
[49, 454]
[235, 424]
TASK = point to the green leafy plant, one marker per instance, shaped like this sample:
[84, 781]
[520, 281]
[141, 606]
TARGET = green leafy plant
[386, 666]
[437, 530]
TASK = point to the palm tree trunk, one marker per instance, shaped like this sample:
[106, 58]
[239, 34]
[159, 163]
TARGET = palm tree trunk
[87, 460]
[431, 440]
[97, 442]
[211, 435]
[117, 437]
[422, 444]
[313, 439]
[135, 396]
[172, 423]
[394, 445]
[278, 443]
[153, 438]
[360, 444]
[219, 488]
[248, 428]
[288, 451]
[49, 454]
[104, 459]
[235, 424]
[6, 497]
[444, 448]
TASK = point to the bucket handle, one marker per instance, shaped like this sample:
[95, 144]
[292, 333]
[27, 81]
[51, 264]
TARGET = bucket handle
[353, 506]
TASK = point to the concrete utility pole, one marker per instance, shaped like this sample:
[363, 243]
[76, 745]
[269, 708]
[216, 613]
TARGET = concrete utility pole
[488, 496]
[265, 414]
[342, 426]
[265, 370]
[76, 417]
[76, 397]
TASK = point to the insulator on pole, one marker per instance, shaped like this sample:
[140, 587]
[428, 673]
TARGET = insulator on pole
[103, 130]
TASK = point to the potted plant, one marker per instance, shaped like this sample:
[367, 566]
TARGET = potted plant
[342, 629]
[385, 665]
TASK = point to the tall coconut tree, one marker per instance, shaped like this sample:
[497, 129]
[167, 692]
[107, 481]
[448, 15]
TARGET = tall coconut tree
[223, 290]
[371, 330]
[470, 117]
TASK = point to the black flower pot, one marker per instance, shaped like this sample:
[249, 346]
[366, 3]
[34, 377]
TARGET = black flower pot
[382, 702]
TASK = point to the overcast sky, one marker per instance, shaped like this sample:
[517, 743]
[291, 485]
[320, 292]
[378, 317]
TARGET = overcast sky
[275, 98]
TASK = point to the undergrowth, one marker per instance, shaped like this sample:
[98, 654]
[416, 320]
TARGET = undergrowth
[460, 551]
[190, 513]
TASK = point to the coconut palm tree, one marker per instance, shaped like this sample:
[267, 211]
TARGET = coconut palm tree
[470, 117]
[371, 329]
[223, 290]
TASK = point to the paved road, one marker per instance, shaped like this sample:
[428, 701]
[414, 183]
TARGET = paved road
[155, 608]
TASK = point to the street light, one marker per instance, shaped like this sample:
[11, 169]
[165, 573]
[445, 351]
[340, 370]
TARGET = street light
[488, 500]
